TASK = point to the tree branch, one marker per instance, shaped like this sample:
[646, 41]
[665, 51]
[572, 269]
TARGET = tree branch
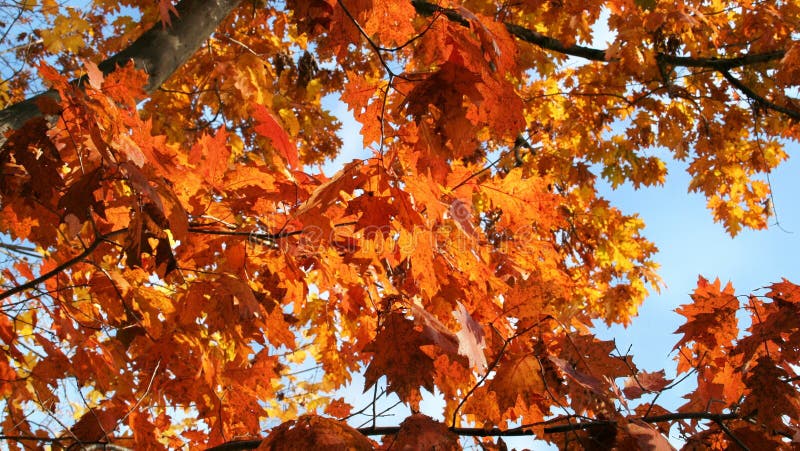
[236, 445]
[55, 271]
[548, 43]
[722, 65]
[524, 34]
[159, 51]
[524, 430]
[794, 114]
[255, 235]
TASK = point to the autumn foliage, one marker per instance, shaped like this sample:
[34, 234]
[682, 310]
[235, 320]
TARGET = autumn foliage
[181, 272]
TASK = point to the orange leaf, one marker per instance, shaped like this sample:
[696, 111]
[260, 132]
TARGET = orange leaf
[338, 408]
[210, 156]
[268, 127]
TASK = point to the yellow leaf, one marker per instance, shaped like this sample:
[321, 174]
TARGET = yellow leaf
[66, 33]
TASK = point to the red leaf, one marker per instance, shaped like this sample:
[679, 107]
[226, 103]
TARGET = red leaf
[24, 269]
[269, 127]
[165, 7]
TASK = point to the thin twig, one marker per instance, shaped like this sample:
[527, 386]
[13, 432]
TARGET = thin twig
[728, 432]
[63, 266]
[794, 114]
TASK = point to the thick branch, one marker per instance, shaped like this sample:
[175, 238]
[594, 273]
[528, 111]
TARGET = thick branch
[548, 43]
[479, 432]
[526, 430]
[236, 445]
[722, 65]
[524, 34]
[159, 51]
[794, 114]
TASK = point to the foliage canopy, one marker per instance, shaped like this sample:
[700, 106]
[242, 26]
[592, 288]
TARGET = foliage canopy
[178, 263]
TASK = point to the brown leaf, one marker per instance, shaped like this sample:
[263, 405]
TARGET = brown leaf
[647, 438]
[518, 377]
[421, 432]
[315, 432]
[398, 354]
[585, 380]
[471, 342]
[645, 382]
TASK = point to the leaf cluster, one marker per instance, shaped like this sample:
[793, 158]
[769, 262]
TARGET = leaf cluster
[189, 276]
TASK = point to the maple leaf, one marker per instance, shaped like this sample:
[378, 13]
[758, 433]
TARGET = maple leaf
[67, 32]
[97, 424]
[210, 156]
[711, 323]
[518, 378]
[80, 199]
[312, 431]
[645, 437]
[770, 399]
[644, 382]
[398, 355]
[165, 11]
[338, 408]
[193, 257]
[420, 431]
[95, 75]
[410, 364]
[268, 127]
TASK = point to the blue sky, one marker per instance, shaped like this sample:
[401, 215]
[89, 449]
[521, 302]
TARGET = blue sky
[691, 244]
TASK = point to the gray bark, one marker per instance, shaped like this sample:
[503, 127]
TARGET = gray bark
[159, 52]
